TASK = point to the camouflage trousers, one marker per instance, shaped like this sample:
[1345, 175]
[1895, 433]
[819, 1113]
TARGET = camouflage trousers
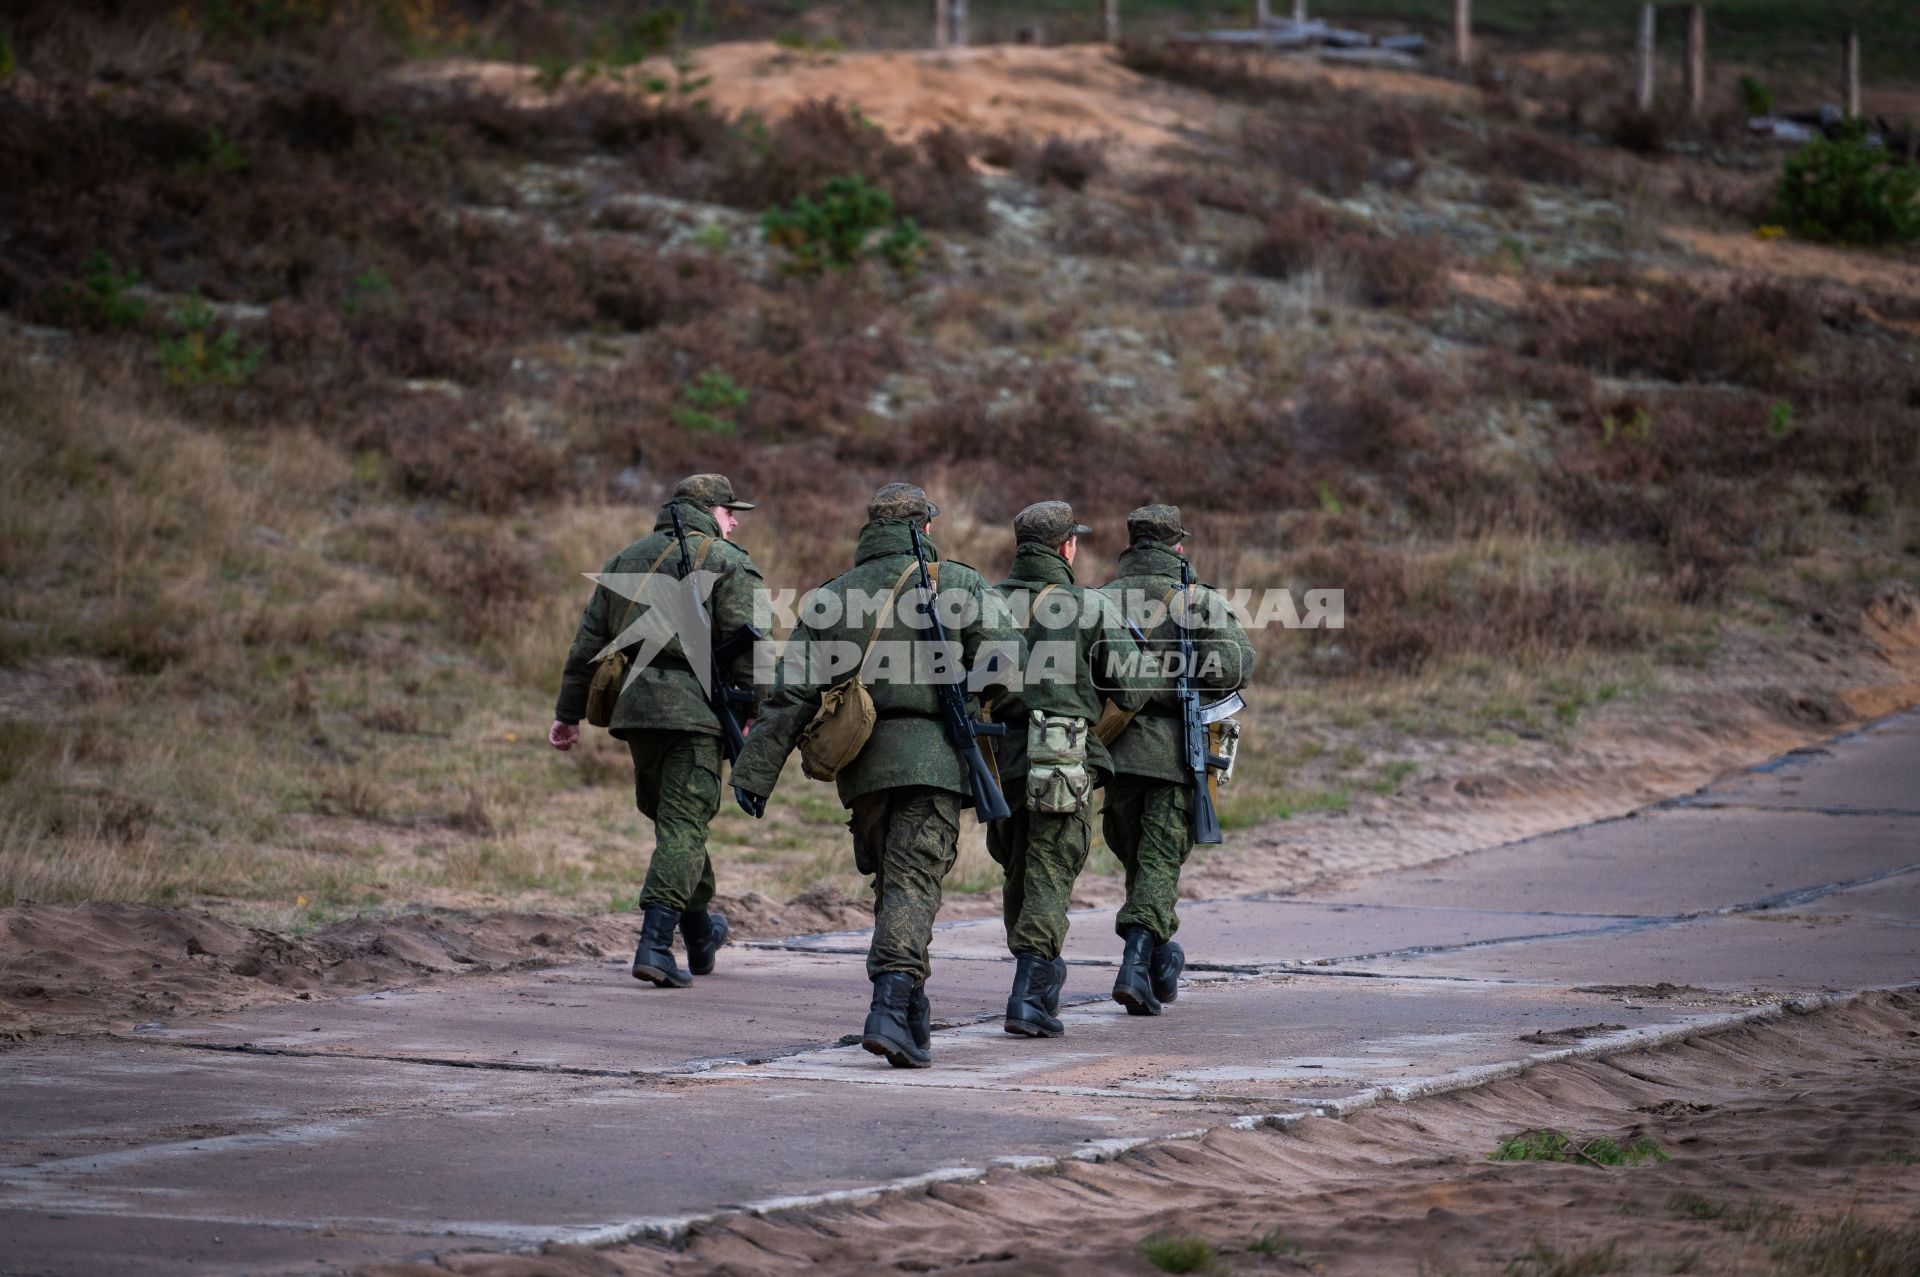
[908, 839]
[1145, 825]
[676, 785]
[1043, 853]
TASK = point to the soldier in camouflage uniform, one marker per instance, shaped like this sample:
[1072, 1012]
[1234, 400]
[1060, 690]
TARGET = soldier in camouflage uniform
[1149, 802]
[1068, 628]
[668, 724]
[905, 789]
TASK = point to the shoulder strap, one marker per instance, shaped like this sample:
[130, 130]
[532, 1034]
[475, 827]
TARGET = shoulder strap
[672, 545]
[933, 572]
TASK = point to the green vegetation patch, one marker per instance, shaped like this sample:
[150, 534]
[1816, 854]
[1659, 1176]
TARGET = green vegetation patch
[1549, 1145]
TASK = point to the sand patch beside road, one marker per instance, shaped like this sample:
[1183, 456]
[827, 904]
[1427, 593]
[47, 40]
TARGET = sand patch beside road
[1777, 1133]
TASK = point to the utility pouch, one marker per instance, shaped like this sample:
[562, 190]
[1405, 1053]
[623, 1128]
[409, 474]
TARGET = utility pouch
[840, 728]
[1058, 781]
[610, 671]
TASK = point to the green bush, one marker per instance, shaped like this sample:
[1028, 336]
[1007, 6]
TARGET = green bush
[852, 219]
[198, 356]
[707, 402]
[1180, 1254]
[101, 299]
[1841, 190]
[1755, 97]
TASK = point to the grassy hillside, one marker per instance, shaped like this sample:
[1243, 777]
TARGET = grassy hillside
[321, 387]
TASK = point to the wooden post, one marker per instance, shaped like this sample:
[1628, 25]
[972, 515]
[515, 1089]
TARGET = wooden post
[940, 24]
[1697, 59]
[1261, 13]
[1462, 32]
[958, 10]
[1113, 21]
[1853, 75]
[1643, 60]
[1299, 10]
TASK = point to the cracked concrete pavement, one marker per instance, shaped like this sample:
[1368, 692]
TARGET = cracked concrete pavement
[575, 1104]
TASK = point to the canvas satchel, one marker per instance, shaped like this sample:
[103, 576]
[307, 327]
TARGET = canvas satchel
[840, 728]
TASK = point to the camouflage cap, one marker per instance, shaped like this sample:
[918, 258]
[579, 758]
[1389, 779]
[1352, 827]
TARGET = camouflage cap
[709, 490]
[901, 501]
[1047, 522]
[1158, 522]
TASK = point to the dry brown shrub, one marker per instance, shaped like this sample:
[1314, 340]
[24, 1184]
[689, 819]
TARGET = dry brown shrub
[1532, 156]
[1748, 334]
[1375, 412]
[1224, 72]
[637, 288]
[446, 448]
[1292, 240]
[1397, 270]
[1066, 162]
[1334, 157]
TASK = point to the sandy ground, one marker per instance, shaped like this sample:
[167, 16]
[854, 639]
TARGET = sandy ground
[1777, 1133]
[1074, 91]
[103, 966]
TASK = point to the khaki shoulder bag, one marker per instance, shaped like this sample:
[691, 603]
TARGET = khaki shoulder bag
[1113, 719]
[610, 671]
[841, 726]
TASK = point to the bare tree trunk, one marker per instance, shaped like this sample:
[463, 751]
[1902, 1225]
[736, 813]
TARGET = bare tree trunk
[1113, 21]
[1853, 75]
[941, 24]
[1462, 32]
[1643, 60]
[1697, 59]
[959, 11]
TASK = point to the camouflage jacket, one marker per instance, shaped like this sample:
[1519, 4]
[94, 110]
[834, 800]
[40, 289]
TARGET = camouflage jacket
[909, 743]
[664, 694]
[1150, 746]
[1067, 631]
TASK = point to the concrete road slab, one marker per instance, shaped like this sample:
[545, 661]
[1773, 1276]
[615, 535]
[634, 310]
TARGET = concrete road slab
[515, 1158]
[1770, 952]
[1663, 861]
[758, 1004]
[1875, 770]
[1895, 899]
[1278, 1041]
[1254, 932]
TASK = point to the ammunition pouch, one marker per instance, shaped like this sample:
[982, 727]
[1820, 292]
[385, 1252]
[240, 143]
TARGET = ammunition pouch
[1058, 781]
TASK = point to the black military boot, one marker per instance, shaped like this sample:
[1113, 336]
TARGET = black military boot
[1027, 1014]
[1133, 987]
[1169, 960]
[920, 1016]
[704, 934]
[1059, 983]
[889, 1030]
[653, 960]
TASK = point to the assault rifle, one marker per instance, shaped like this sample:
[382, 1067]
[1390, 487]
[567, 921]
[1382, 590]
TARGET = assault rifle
[963, 732]
[1195, 718]
[721, 693]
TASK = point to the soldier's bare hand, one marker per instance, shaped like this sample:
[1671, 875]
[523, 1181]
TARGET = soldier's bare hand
[563, 736]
